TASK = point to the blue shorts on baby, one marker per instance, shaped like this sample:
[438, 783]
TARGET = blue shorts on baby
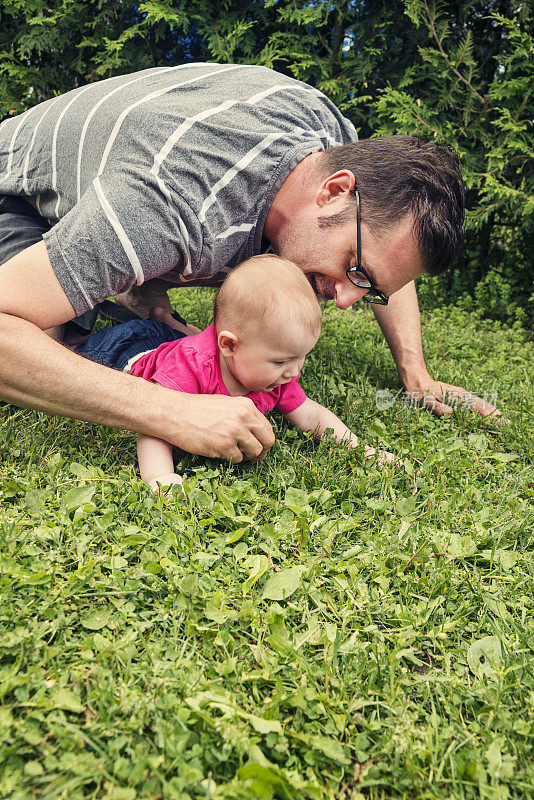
[116, 346]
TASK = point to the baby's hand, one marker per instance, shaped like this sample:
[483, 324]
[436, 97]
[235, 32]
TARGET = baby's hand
[157, 482]
[385, 458]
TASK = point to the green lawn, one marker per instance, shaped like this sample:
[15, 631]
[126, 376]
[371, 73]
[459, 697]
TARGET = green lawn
[311, 626]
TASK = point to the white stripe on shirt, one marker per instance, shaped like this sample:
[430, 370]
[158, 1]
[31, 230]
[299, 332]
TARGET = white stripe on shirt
[27, 161]
[188, 123]
[320, 134]
[121, 233]
[54, 143]
[95, 109]
[233, 171]
[210, 112]
[235, 229]
[245, 161]
[146, 99]
[23, 118]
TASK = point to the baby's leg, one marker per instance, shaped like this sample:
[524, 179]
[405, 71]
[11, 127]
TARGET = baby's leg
[160, 314]
[116, 346]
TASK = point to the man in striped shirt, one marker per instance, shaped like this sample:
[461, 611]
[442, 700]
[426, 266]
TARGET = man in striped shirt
[173, 176]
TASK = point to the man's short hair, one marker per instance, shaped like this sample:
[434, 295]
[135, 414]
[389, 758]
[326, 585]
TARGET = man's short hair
[263, 290]
[398, 175]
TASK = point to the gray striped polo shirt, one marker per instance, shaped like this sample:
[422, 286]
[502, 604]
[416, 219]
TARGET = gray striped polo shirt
[169, 172]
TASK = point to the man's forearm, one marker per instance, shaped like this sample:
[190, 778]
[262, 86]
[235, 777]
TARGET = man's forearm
[37, 372]
[401, 325]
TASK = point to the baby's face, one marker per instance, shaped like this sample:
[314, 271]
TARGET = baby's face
[271, 356]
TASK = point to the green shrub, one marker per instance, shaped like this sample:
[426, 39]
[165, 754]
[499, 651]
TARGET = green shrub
[458, 72]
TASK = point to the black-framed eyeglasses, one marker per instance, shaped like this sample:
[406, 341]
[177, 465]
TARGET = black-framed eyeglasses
[357, 275]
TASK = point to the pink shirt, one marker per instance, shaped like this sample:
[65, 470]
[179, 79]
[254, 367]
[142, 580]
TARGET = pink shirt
[192, 365]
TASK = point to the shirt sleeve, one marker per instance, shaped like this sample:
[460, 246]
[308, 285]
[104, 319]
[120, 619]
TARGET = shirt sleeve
[169, 368]
[291, 397]
[127, 228]
[186, 382]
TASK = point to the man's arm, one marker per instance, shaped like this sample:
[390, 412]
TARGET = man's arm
[401, 325]
[37, 372]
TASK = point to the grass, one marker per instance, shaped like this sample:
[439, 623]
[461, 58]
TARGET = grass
[310, 626]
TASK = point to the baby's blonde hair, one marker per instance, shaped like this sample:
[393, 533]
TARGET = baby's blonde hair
[266, 289]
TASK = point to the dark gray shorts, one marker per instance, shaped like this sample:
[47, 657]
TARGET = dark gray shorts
[20, 227]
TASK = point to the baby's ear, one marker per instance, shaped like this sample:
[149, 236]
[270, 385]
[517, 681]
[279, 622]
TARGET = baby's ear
[227, 342]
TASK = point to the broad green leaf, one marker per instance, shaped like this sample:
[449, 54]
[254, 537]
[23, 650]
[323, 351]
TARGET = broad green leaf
[405, 506]
[234, 536]
[206, 559]
[485, 656]
[122, 793]
[77, 497]
[216, 609]
[265, 779]
[283, 584]
[330, 747]
[97, 620]
[66, 700]
[258, 566]
[297, 500]
[265, 725]
[456, 545]
[454, 446]
[188, 586]
[34, 501]
[33, 768]
[504, 458]
[506, 559]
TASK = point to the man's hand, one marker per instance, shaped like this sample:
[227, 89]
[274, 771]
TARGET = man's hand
[443, 398]
[401, 325]
[225, 427]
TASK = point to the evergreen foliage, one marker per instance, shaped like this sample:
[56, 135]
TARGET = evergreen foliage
[460, 72]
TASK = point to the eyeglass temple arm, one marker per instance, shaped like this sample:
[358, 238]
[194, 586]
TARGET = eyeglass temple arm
[358, 224]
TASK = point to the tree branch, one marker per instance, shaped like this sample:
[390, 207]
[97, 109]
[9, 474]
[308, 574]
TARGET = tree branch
[482, 99]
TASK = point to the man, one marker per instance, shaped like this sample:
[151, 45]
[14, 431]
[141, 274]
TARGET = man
[175, 175]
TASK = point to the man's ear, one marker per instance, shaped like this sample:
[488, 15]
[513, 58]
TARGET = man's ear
[335, 187]
[227, 343]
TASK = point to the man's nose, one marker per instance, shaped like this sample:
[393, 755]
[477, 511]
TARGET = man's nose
[346, 294]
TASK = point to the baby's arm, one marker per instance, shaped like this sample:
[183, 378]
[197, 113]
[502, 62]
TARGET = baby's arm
[312, 416]
[155, 461]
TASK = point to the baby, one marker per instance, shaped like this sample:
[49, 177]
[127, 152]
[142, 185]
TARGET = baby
[266, 320]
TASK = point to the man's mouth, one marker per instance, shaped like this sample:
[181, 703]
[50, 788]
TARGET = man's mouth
[311, 279]
[320, 285]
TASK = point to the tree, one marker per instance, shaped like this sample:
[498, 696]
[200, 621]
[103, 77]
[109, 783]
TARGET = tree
[459, 72]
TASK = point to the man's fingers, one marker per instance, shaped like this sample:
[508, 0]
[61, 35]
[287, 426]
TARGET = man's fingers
[435, 405]
[444, 398]
[253, 433]
[231, 428]
[483, 407]
[440, 409]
